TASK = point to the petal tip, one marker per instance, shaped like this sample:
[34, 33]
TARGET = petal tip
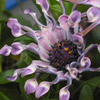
[27, 11]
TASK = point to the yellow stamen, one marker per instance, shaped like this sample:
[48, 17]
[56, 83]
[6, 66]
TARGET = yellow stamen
[66, 49]
[70, 52]
[51, 49]
[59, 44]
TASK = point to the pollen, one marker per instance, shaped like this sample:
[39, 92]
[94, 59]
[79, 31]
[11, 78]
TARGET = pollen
[66, 49]
[51, 49]
[70, 52]
[59, 44]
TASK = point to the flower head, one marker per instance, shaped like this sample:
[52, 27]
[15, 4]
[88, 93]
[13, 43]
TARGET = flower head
[60, 46]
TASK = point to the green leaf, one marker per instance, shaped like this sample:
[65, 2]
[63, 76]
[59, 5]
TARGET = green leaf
[53, 2]
[96, 34]
[83, 8]
[24, 40]
[68, 7]
[3, 97]
[24, 60]
[11, 91]
[86, 93]
[3, 76]
[44, 76]
[56, 10]
[94, 82]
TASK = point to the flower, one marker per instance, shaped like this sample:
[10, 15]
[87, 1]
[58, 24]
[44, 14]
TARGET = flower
[61, 47]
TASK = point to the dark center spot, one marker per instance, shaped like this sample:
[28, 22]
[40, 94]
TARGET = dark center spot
[63, 53]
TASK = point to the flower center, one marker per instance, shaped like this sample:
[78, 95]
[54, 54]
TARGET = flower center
[63, 53]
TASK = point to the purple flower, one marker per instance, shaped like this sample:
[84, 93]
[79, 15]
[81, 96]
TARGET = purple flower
[60, 46]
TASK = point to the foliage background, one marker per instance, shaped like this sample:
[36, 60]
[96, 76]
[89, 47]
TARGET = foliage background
[88, 88]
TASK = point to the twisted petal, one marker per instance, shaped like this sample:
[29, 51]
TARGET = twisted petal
[63, 18]
[16, 30]
[78, 40]
[33, 47]
[27, 11]
[15, 27]
[6, 50]
[44, 5]
[95, 3]
[17, 48]
[11, 22]
[78, 1]
[93, 69]
[93, 14]
[74, 73]
[60, 77]
[64, 94]
[74, 18]
[33, 14]
[92, 46]
[74, 64]
[15, 75]
[49, 69]
[30, 86]
[36, 64]
[19, 30]
[85, 63]
[63, 21]
[29, 69]
[42, 89]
